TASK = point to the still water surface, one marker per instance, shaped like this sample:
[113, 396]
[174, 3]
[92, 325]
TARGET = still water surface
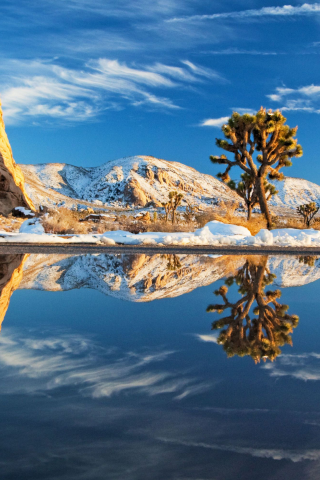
[122, 367]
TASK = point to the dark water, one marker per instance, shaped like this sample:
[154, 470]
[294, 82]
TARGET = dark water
[110, 369]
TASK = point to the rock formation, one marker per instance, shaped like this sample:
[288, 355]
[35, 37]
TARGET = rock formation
[12, 190]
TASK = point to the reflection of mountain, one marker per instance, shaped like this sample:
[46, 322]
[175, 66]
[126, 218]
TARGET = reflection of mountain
[138, 278]
[294, 271]
[11, 270]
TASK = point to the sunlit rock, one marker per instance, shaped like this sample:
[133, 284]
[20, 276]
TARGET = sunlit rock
[12, 189]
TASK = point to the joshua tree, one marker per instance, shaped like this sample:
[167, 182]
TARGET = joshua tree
[261, 336]
[308, 212]
[245, 189]
[166, 207]
[263, 132]
[189, 213]
[175, 200]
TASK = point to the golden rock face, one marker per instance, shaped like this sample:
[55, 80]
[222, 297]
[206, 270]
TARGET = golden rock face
[12, 189]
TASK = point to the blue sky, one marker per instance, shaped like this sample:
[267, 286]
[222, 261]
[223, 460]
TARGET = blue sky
[87, 81]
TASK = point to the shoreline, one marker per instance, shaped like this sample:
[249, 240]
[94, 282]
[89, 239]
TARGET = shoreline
[87, 248]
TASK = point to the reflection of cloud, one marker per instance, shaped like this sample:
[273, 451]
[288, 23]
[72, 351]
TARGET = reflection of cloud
[208, 338]
[73, 361]
[302, 367]
[275, 454]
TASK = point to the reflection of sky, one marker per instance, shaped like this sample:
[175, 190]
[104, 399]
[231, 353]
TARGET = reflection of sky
[95, 387]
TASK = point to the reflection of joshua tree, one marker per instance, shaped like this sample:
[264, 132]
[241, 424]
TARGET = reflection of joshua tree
[261, 336]
[308, 260]
[173, 261]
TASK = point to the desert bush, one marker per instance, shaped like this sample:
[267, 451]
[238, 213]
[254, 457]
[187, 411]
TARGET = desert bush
[226, 214]
[64, 221]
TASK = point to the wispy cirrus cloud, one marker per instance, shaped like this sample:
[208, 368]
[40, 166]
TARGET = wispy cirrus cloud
[302, 99]
[50, 90]
[285, 11]
[238, 51]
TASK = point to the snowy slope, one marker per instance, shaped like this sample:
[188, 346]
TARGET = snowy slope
[132, 180]
[294, 192]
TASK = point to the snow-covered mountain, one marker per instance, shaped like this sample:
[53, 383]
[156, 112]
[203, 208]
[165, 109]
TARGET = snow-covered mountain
[138, 180]
[133, 180]
[294, 192]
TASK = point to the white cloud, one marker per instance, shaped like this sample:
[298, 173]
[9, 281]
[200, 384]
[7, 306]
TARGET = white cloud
[237, 51]
[51, 90]
[286, 10]
[214, 122]
[303, 99]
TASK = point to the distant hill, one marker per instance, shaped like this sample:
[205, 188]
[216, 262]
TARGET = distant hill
[294, 192]
[134, 181]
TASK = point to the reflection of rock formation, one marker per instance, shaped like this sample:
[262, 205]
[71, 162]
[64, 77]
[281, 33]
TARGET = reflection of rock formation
[260, 332]
[136, 277]
[12, 190]
[11, 271]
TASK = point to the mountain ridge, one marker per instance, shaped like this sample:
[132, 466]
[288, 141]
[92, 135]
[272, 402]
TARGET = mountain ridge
[140, 181]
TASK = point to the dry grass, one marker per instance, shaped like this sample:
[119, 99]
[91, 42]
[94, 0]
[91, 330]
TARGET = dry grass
[64, 221]
[226, 214]
[10, 223]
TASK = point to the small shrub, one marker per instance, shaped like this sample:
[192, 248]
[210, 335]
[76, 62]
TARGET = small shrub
[64, 221]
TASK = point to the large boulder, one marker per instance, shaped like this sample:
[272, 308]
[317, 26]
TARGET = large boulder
[12, 190]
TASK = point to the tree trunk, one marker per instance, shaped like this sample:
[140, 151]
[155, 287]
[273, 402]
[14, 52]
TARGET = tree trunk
[249, 207]
[263, 201]
[173, 216]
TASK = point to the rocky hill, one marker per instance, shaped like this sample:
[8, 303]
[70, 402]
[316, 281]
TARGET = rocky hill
[135, 181]
[12, 190]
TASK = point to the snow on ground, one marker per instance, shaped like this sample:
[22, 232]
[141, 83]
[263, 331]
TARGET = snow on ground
[214, 233]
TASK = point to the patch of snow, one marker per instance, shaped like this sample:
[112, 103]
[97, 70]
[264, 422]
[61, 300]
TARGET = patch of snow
[214, 233]
[33, 226]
